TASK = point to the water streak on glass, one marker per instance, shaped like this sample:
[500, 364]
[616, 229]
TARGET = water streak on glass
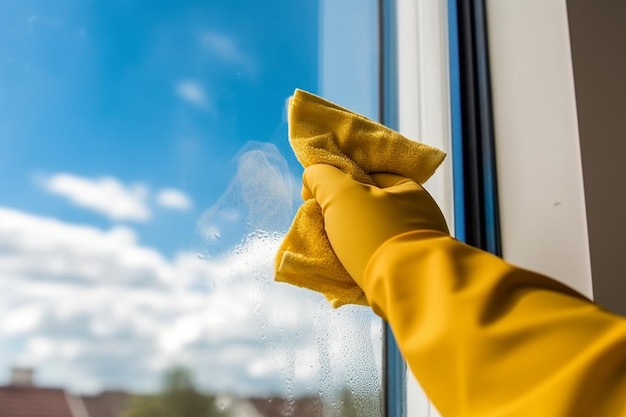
[146, 183]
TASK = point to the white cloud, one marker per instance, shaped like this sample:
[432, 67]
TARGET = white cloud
[93, 308]
[79, 254]
[105, 195]
[192, 92]
[22, 320]
[222, 45]
[226, 49]
[174, 199]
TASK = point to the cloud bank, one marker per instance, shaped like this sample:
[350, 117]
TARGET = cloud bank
[93, 308]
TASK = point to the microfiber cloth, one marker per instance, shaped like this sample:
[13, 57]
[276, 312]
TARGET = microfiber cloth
[321, 132]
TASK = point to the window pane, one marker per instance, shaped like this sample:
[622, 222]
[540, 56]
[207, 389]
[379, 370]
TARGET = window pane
[146, 183]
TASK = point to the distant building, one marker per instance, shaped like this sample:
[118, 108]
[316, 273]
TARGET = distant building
[34, 402]
[22, 398]
[106, 404]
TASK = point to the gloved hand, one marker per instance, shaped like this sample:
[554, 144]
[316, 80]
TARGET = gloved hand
[359, 218]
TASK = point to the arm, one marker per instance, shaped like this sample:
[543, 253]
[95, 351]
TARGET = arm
[483, 337]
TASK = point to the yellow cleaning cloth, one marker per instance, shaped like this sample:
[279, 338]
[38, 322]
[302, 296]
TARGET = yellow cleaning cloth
[321, 132]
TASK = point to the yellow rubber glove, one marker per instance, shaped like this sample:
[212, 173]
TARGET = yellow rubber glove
[359, 218]
[483, 337]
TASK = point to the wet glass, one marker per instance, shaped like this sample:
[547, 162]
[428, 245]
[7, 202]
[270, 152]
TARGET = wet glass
[146, 181]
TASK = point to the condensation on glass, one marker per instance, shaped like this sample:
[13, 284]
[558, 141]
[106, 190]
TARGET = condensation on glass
[146, 182]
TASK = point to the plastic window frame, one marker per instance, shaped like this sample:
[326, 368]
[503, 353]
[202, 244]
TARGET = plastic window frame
[435, 87]
[415, 100]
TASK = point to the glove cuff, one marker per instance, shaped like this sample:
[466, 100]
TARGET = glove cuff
[386, 256]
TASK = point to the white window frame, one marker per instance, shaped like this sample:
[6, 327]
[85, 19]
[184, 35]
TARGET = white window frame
[423, 90]
[529, 113]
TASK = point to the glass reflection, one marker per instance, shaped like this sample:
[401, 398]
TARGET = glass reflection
[146, 184]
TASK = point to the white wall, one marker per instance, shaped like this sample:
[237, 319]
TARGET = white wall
[542, 201]
[424, 114]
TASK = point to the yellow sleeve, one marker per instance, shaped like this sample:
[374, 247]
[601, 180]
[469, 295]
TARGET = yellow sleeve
[485, 338]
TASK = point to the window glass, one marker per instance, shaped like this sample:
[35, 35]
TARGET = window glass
[146, 181]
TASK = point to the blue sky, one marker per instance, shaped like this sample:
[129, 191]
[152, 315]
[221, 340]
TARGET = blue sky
[137, 142]
[161, 93]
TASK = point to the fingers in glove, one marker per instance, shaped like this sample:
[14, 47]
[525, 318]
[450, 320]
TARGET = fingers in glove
[325, 182]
